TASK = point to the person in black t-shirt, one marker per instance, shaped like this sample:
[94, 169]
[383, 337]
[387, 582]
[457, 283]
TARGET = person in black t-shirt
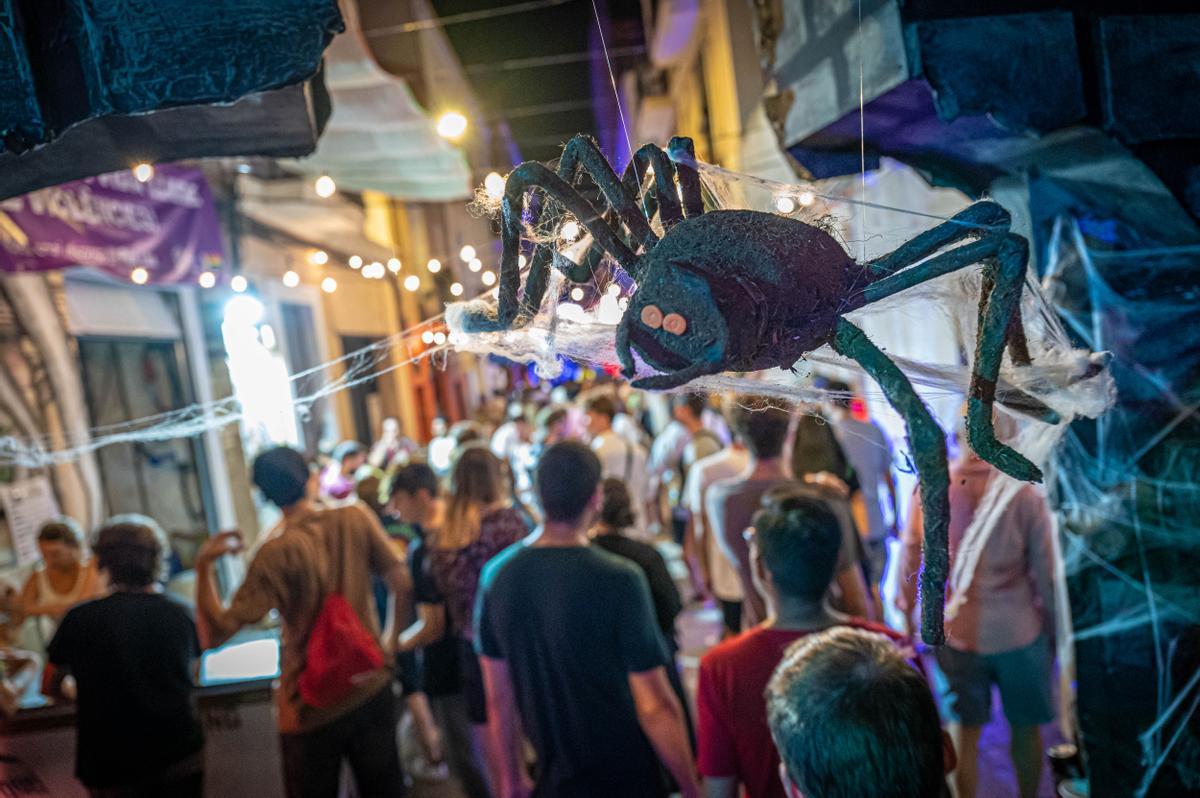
[414, 495]
[133, 656]
[571, 652]
[616, 515]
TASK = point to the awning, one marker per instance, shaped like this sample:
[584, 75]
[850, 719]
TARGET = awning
[378, 137]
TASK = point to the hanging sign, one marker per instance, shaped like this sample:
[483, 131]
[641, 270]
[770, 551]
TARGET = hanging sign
[166, 225]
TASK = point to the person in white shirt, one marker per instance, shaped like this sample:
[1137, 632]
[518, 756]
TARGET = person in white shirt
[513, 434]
[619, 457]
[720, 575]
[441, 446]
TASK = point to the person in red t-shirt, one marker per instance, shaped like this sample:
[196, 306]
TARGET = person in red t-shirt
[794, 546]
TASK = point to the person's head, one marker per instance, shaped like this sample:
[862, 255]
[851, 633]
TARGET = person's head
[60, 541]
[762, 425]
[391, 429]
[853, 719]
[794, 546]
[551, 424]
[477, 480]
[283, 476]
[349, 455]
[131, 550]
[438, 427]
[616, 507]
[368, 488]
[600, 410]
[412, 490]
[840, 394]
[566, 480]
[464, 432]
[688, 408]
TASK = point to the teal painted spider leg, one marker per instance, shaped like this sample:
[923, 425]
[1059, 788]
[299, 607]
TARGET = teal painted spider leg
[683, 153]
[525, 177]
[1012, 253]
[581, 151]
[928, 445]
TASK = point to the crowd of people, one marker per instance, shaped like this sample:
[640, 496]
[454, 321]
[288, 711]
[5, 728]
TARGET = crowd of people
[494, 612]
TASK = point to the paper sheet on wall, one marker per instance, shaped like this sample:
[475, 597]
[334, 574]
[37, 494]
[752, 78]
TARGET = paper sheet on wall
[27, 504]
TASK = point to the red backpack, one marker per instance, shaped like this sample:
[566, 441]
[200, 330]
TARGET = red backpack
[339, 654]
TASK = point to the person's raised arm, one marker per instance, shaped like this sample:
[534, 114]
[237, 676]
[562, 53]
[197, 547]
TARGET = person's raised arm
[214, 622]
[503, 733]
[911, 538]
[662, 720]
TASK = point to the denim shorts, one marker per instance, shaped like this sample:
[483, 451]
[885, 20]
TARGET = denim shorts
[1023, 675]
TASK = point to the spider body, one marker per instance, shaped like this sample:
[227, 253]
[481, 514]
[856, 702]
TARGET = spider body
[738, 291]
[744, 290]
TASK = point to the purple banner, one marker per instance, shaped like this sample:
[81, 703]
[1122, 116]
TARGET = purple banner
[167, 226]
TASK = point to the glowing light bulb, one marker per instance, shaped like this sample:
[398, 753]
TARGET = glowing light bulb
[355, 262]
[291, 279]
[143, 172]
[475, 265]
[318, 257]
[412, 282]
[451, 125]
[373, 270]
[439, 338]
[427, 337]
[785, 204]
[467, 253]
[614, 289]
[139, 276]
[324, 186]
[434, 265]
[456, 289]
[207, 279]
[807, 198]
[489, 278]
[394, 265]
[239, 283]
[329, 285]
[493, 184]
[576, 293]
[569, 231]
[521, 261]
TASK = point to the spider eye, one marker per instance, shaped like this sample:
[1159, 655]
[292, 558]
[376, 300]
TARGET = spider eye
[674, 324]
[652, 317]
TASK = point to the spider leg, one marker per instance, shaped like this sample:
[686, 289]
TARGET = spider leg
[663, 199]
[582, 152]
[928, 444]
[683, 153]
[1012, 253]
[528, 176]
[974, 221]
[994, 324]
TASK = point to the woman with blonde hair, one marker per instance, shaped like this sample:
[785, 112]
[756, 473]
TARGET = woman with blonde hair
[479, 522]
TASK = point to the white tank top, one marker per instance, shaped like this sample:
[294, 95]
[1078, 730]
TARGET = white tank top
[48, 595]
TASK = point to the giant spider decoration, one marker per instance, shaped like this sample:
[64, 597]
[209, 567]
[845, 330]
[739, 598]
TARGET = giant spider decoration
[735, 290]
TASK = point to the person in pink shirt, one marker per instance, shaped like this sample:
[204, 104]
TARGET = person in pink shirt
[1001, 633]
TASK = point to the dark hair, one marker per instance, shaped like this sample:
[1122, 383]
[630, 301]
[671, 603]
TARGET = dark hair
[347, 449]
[550, 416]
[617, 510]
[853, 719]
[841, 391]
[282, 475]
[762, 426]
[601, 404]
[412, 478]
[64, 529]
[798, 539]
[131, 549]
[566, 479]
[369, 490]
[464, 432]
[694, 402]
